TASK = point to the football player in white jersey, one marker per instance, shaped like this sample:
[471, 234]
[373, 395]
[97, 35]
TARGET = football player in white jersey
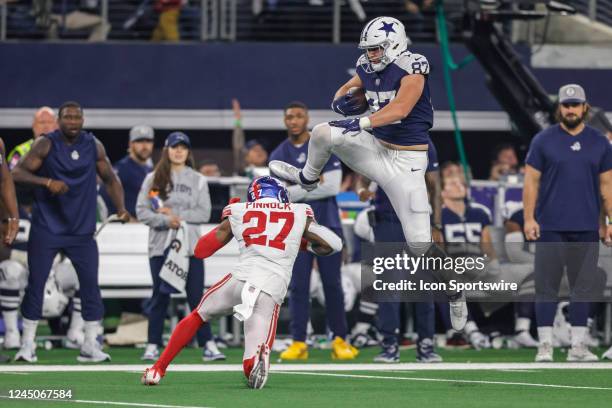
[390, 145]
[270, 231]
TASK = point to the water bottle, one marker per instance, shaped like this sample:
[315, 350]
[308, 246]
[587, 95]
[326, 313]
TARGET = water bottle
[156, 201]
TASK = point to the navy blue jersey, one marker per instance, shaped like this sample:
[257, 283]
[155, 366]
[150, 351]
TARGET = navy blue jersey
[568, 198]
[381, 200]
[382, 87]
[72, 213]
[325, 209]
[467, 228]
[131, 174]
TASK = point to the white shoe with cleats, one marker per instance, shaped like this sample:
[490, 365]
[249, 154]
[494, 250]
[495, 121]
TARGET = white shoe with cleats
[260, 371]
[581, 353]
[151, 353]
[27, 353]
[287, 172]
[545, 353]
[92, 353]
[151, 376]
[12, 340]
[524, 339]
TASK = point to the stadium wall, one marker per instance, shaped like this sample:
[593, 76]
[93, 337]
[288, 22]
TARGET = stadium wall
[264, 76]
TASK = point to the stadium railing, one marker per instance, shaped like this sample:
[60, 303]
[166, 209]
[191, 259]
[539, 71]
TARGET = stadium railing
[227, 20]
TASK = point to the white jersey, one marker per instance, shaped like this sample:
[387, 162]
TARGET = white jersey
[269, 234]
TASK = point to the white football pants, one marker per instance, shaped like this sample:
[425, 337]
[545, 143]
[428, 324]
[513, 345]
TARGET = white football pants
[220, 299]
[400, 173]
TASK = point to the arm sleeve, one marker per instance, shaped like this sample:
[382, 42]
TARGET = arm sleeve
[329, 188]
[327, 235]
[535, 157]
[144, 212]
[199, 214]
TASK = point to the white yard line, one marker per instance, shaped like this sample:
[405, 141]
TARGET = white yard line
[573, 387]
[32, 368]
[119, 403]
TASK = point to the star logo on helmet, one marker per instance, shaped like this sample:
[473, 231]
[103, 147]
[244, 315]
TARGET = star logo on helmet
[387, 28]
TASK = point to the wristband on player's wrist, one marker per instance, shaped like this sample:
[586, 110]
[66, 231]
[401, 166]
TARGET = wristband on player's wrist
[365, 123]
[437, 226]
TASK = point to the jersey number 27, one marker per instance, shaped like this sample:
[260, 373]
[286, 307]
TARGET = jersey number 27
[254, 235]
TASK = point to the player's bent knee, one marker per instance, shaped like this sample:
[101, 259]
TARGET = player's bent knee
[321, 135]
[13, 275]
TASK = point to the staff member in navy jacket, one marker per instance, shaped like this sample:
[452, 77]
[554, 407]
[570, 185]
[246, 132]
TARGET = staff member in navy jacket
[568, 166]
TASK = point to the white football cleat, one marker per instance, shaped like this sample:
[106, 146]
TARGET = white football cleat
[260, 371]
[287, 172]
[545, 353]
[151, 353]
[458, 311]
[581, 353]
[524, 339]
[151, 376]
[607, 355]
[27, 353]
[12, 340]
[211, 352]
[92, 353]
[479, 340]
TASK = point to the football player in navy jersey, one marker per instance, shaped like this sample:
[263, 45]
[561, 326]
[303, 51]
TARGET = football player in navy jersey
[387, 228]
[466, 233]
[322, 199]
[568, 171]
[62, 167]
[390, 145]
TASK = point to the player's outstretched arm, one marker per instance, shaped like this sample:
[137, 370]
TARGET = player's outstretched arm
[214, 240]
[411, 88]
[321, 240]
[9, 200]
[111, 182]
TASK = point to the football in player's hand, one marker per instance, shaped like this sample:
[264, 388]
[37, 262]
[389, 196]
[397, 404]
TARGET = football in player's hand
[359, 102]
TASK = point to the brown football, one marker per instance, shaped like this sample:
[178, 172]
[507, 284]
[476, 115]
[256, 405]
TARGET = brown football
[360, 98]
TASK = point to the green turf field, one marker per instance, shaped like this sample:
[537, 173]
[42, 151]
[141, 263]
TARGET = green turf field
[319, 382]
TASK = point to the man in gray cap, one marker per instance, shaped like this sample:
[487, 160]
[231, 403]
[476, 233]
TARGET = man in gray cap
[133, 168]
[568, 170]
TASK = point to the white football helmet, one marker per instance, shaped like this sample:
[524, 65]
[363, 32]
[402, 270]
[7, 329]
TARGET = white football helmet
[54, 300]
[386, 33]
[66, 278]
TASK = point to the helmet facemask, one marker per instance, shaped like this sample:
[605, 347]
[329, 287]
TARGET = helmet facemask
[378, 63]
[393, 42]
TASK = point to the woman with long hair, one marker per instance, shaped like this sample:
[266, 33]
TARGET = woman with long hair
[174, 196]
